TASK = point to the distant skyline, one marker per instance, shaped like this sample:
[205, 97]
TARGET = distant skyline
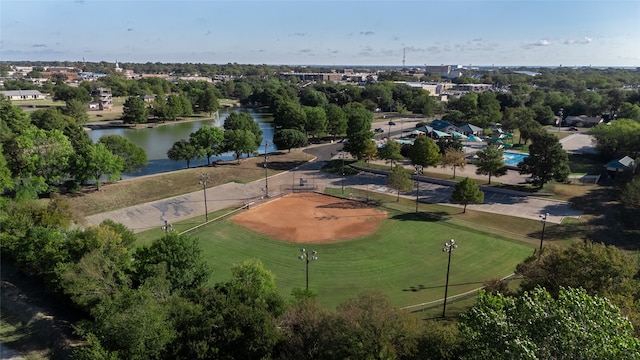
[479, 33]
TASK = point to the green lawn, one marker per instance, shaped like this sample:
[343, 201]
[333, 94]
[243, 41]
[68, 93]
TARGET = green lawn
[403, 258]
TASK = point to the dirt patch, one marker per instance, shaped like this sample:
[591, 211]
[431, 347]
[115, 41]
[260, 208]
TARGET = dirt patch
[312, 218]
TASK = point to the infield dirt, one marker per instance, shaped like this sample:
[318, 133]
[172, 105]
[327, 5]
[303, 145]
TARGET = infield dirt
[312, 218]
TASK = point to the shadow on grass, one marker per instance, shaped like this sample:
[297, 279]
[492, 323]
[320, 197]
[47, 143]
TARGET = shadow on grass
[423, 216]
[606, 221]
[420, 287]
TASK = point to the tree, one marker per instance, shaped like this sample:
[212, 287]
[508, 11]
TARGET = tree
[289, 138]
[186, 269]
[359, 131]
[630, 196]
[467, 192]
[6, 181]
[208, 141]
[537, 326]
[424, 152]
[370, 151]
[598, 268]
[390, 151]
[100, 161]
[547, 160]
[629, 111]
[240, 142]
[208, 102]
[491, 162]
[244, 121]
[44, 154]
[134, 111]
[288, 114]
[182, 150]
[399, 179]
[336, 120]
[134, 156]
[316, 120]
[528, 129]
[174, 107]
[77, 110]
[617, 138]
[454, 158]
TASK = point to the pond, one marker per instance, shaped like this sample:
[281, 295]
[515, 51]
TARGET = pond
[157, 141]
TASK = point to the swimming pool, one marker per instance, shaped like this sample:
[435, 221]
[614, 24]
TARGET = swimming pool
[512, 159]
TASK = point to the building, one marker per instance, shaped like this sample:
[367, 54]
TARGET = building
[23, 94]
[469, 129]
[619, 166]
[103, 98]
[583, 120]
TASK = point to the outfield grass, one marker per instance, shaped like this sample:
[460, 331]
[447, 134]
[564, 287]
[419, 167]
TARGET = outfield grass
[404, 258]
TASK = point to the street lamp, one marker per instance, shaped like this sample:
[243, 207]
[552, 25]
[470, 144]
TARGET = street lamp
[449, 246]
[342, 155]
[266, 178]
[543, 219]
[560, 114]
[306, 256]
[417, 172]
[204, 179]
[167, 227]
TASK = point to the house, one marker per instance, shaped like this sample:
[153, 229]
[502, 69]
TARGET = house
[148, 98]
[469, 129]
[582, 119]
[619, 166]
[444, 126]
[23, 94]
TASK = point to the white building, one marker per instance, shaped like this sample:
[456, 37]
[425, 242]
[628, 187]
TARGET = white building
[23, 94]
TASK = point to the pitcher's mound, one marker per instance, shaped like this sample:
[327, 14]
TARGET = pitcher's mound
[312, 218]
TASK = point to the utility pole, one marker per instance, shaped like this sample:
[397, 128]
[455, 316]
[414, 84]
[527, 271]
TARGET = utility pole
[266, 175]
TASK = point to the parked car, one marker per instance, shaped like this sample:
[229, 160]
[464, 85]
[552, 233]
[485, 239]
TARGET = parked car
[379, 130]
[573, 128]
[391, 123]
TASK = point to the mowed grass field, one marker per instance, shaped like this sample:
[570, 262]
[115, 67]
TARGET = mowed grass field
[403, 258]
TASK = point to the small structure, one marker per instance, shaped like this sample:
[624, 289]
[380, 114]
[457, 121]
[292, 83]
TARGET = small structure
[469, 129]
[103, 98]
[23, 94]
[619, 166]
[582, 119]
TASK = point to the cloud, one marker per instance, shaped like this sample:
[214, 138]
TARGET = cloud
[38, 45]
[585, 40]
[414, 49]
[366, 33]
[395, 38]
[299, 34]
[477, 40]
[130, 29]
[305, 51]
[543, 42]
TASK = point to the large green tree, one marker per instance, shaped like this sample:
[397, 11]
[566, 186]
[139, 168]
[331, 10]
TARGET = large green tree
[424, 152]
[316, 120]
[209, 141]
[359, 132]
[244, 121]
[208, 101]
[537, 326]
[490, 162]
[100, 161]
[182, 150]
[134, 111]
[454, 158]
[240, 142]
[77, 110]
[134, 156]
[336, 120]
[186, 269]
[547, 160]
[467, 192]
[289, 114]
[618, 138]
[289, 138]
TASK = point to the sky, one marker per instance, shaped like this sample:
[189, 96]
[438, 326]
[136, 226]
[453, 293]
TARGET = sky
[301, 32]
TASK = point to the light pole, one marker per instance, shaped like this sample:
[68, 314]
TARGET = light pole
[449, 246]
[560, 114]
[543, 219]
[307, 257]
[417, 172]
[266, 178]
[204, 179]
[342, 155]
[167, 227]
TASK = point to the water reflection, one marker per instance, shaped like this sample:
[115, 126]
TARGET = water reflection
[156, 141]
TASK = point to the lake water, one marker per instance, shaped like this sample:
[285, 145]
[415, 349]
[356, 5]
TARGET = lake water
[157, 141]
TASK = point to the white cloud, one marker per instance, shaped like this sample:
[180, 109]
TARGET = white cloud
[543, 42]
